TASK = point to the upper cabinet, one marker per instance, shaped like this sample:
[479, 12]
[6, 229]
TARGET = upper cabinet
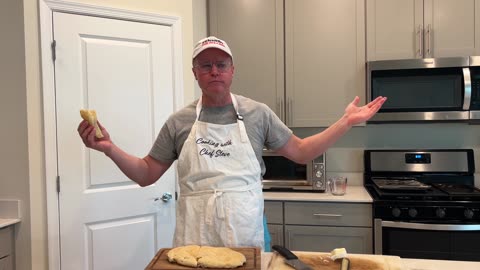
[405, 29]
[254, 33]
[304, 59]
[325, 59]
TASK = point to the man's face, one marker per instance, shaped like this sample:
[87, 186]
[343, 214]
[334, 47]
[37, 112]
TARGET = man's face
[213, 69]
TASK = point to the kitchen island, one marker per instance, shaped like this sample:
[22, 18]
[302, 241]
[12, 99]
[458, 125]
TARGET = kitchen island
[409, 264]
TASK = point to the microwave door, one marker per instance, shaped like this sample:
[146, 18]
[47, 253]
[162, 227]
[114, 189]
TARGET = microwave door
[475, 89]
[418, 90]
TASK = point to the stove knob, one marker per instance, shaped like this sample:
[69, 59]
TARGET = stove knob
[440, 212]
[468, 213]
[396, 212]
[412, 212]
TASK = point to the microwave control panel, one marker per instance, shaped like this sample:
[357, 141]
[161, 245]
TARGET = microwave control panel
[318, 173]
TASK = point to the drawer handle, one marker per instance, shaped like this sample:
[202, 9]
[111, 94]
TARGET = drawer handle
[327, 215]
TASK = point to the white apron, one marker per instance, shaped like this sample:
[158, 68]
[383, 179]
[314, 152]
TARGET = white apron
[221, 200]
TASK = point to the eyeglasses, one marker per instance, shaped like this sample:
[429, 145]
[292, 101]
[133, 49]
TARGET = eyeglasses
[222, 66]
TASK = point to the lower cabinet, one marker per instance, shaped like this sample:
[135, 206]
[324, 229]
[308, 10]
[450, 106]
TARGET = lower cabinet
[6, 248]
[6, 263]
[325, 239]
[321, 226]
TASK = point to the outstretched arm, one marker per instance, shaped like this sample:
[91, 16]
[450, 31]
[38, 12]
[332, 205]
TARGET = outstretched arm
[303, 150]
[144, 171]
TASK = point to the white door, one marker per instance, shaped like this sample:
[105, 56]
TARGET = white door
[123, 70]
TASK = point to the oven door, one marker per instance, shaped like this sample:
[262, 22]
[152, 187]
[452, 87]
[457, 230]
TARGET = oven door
[427, 241]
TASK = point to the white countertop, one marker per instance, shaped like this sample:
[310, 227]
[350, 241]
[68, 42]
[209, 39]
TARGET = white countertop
[411, 264]
[356, 194]
[4, 222]
[9, 212]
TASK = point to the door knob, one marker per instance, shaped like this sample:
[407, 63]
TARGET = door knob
[167, 196]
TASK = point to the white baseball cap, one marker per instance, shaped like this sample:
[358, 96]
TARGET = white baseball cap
[211, 42]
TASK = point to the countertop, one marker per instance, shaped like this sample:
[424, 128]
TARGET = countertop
[356, 194]
[4, 222]
[410, 264]
[9, 212]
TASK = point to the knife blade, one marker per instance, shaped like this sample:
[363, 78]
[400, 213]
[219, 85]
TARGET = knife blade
[290, 258]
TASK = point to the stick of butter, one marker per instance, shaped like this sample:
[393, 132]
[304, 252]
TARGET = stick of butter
[91, 117]
[338, 253]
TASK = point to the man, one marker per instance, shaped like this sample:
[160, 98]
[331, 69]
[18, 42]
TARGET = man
[218, 141]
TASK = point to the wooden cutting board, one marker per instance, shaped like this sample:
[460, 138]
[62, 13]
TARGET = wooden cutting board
[322, 261]
[252, 254]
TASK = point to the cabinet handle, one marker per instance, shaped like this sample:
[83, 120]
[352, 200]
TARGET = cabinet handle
[429, 41]
[327, 215]
[420, 41]
[281, 113]
[290, 111]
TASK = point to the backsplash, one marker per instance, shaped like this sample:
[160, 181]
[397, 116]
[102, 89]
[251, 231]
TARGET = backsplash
[346, 156]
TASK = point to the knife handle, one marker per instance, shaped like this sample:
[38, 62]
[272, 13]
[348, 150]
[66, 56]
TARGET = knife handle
[284, 252]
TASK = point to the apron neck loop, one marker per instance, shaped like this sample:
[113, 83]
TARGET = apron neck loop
[241, 125]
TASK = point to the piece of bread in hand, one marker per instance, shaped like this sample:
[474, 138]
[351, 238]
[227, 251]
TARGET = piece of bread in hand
[91, 117]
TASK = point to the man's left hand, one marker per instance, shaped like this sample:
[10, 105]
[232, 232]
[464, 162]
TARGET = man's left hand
[356, 115]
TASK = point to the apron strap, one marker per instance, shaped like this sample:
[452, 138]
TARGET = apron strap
[212, 202]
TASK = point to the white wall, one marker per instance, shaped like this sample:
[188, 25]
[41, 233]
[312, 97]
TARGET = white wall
[23, 174]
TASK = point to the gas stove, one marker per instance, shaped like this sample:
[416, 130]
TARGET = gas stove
[425, 195]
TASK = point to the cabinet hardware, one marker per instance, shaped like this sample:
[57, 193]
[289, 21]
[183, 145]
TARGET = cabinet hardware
[327, 215]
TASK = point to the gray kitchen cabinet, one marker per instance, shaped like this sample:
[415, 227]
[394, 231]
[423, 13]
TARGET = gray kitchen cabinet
[324, 226]
[325, 238]
[301, 58]
[274, 214]
[254, 32]
[404, 29]
[6, 248]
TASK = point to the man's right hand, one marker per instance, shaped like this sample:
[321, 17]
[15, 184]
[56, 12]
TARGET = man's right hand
[87, 133]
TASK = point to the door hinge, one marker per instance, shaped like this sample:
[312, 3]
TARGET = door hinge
[176, 195]
[58, 184]
[54, 47]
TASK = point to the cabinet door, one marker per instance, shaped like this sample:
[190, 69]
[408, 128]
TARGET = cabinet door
[274, 212]
[6, 263]
[254, 32]
[449, 27]
[276, 232]
[325, 239]
[394, 29]
[325, 59]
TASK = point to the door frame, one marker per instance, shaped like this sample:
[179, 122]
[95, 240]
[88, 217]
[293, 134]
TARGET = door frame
[46, 8]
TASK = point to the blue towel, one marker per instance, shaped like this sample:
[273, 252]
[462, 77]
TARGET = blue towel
[266, 234]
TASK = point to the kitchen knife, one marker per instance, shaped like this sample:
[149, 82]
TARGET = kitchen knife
[291, 259]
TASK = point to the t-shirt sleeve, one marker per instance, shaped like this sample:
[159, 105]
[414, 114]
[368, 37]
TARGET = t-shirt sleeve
[277, 133]
[164, 147]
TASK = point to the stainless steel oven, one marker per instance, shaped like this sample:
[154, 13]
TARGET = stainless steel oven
[283, 174]
[425, 204]
[427, 240]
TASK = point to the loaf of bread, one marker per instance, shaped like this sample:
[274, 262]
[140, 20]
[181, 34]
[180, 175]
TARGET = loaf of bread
[91, 117]
[206, 257]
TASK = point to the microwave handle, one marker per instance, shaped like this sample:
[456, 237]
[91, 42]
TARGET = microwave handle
[467, 90]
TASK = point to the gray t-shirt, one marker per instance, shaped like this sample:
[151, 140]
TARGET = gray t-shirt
[264, 128]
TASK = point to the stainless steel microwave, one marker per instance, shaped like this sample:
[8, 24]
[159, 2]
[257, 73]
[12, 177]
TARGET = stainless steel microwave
[430, 89]
[283, 174]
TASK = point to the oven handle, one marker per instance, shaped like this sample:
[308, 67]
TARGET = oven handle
[430, 227]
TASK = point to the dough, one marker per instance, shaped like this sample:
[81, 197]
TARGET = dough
[206, 257]
[220, 257]
[91, 117]
[186, 255]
